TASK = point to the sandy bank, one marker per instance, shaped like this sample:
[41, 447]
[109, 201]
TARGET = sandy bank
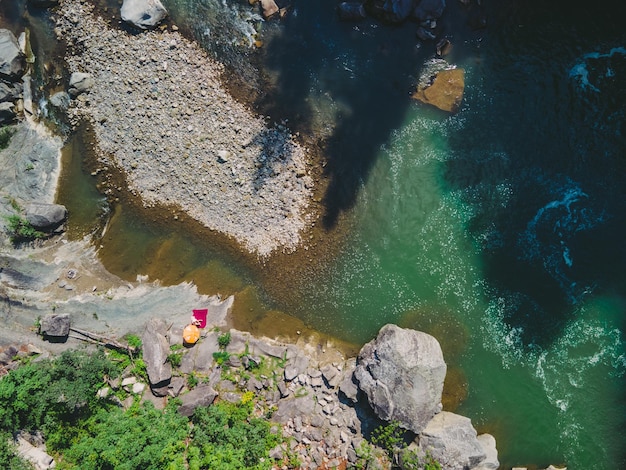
[160, 114]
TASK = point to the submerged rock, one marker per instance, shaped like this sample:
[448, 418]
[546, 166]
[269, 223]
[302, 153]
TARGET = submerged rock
[445, 92]
[402, 373]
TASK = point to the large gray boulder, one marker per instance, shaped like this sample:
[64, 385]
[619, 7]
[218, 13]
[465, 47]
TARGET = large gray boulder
[43, 216]
[12, 61]
[402, 372]
[144, 14]
[451, 440]
[156, 348]
[56, 326]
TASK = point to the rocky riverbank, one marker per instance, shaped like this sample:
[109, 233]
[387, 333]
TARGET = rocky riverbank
[160, 113]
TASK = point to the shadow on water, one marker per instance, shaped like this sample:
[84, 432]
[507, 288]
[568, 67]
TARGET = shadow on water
[543, 168]
[344, 82]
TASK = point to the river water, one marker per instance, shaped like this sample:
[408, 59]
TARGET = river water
[498, 229]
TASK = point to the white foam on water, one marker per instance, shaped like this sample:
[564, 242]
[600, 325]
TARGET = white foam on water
[580, 70]
[590, 351]
[548, 233]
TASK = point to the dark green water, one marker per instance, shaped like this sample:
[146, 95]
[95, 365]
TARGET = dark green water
[498, 229]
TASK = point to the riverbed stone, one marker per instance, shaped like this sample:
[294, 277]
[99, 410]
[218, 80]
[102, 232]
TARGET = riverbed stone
[79, 83]
[144, 14]
[401, 372]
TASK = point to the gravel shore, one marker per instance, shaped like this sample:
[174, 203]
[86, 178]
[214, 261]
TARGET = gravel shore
[161, 114]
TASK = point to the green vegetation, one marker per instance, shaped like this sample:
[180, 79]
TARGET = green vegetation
[59, 398]
[8, 455]
[175, 358]
[221, 357]
[6, 133]
[21, 229]
[227, 436]
[390, 437]
[223, 340]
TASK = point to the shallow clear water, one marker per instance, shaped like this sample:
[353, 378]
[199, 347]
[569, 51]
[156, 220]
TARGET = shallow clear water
[499, 229]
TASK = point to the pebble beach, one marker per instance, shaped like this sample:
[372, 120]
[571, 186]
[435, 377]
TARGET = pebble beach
[161, 114]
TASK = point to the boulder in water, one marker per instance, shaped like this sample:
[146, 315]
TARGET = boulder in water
[143, 14]
[402, 372]
[445, 92]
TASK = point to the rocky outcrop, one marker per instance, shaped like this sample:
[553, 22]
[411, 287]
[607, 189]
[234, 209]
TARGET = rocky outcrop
[402, 372]
[44, 216]
[451, 440]
[155, 351]
[445, 92]
[12, 60]
[143, 14]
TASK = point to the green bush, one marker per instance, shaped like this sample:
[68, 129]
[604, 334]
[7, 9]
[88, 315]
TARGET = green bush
[390, 437]
[6, 133]
[175, 358]
[8, 455]
[221, 357]
[223, 340]
[141, 437]
[21, 229]
[229, 437]
[46, 394]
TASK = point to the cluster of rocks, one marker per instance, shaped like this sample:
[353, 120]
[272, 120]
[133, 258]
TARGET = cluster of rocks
[325, 407]
[12, 71]
[161, 114]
